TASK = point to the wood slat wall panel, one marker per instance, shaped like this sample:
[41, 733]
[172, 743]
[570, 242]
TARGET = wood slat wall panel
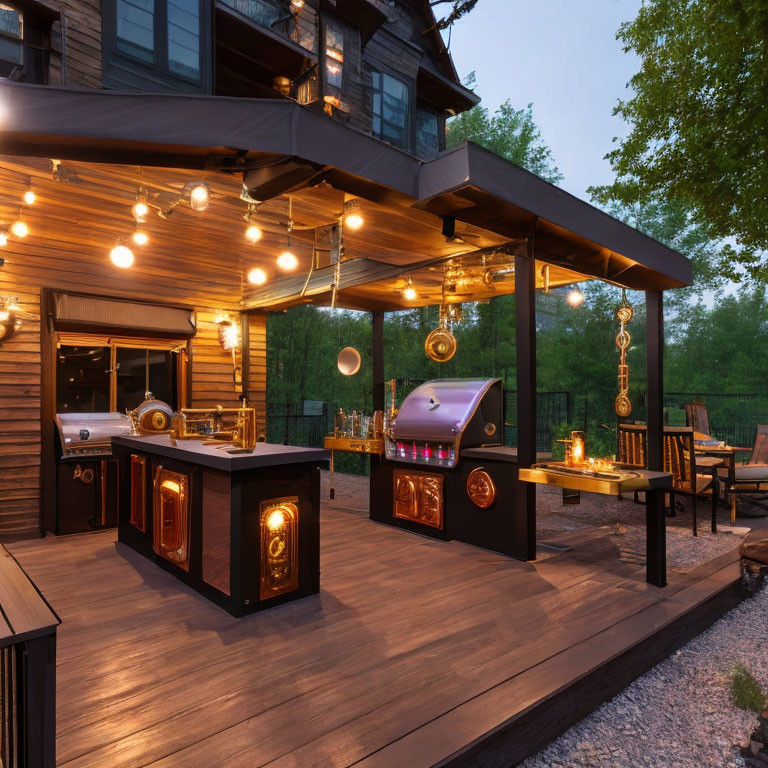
[257, 371]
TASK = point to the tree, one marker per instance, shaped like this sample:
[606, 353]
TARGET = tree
[699, 118]
[459, 8]
[510, 133]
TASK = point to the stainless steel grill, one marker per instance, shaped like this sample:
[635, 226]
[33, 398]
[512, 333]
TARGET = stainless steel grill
[441, 417]
[90, 434]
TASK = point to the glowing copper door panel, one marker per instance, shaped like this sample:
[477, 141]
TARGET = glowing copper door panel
[171, 516]
[279, 525]
[418, 496]
[138, 492]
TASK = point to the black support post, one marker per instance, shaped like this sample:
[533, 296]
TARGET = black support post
[656, 534]
[525, 310]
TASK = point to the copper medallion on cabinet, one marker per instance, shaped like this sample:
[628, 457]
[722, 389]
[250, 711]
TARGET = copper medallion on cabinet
[418, 496]
[480, 488]
[138, 516]
[279, 524]
[171, 516]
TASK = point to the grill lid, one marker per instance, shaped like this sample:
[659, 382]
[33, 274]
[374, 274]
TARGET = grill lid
[90, 430]
[440, 409]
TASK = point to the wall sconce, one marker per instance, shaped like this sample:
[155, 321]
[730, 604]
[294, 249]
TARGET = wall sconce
[9, 322]
[229, 338]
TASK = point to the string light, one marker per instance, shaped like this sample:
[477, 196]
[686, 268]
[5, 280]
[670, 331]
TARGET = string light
[253, 234]
[257, 276]
[353, 218]
[287, 261]
[197, 194]
[140, 209]
[29, 195]
[575, 298]
[121, 256]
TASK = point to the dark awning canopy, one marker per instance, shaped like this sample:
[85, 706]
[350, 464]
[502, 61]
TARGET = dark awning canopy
[241, 135]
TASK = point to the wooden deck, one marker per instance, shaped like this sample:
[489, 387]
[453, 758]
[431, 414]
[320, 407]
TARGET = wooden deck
[417, 652]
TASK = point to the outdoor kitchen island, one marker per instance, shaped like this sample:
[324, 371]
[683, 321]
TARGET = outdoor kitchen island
[240, 528]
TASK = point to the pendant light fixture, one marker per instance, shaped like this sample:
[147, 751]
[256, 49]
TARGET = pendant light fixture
[29, 195]
[197, 194]
[257, 276]
[353, 218]
[121, 256]
[253, 231]
[19, 227]
[287, 260]
[140, 209]
[409, 293]
[140, 237]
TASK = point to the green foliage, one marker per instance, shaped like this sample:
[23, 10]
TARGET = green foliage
[746, 691]
[510, 133]
[699, 117]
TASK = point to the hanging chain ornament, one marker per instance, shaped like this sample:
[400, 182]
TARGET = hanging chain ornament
[624, 314]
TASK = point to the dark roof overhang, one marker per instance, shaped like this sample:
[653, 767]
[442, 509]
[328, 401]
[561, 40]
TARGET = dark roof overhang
[443, 92]
[238, 135]
[360, 13]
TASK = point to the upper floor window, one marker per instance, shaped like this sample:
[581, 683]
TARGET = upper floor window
[162, 33]
[390, 110]
[427, 133]
[334, 64]
[11, 39]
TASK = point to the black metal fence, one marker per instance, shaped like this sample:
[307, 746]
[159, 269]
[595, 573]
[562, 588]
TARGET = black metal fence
[552, 410]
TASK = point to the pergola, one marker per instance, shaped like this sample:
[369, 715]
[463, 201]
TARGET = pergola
[467, 207]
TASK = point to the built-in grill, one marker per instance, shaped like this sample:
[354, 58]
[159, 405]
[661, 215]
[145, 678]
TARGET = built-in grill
[440, 418]
[87, 472]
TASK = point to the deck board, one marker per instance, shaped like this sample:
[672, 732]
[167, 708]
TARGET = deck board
[408, 638]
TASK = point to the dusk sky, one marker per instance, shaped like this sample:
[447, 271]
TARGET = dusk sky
[563, 56]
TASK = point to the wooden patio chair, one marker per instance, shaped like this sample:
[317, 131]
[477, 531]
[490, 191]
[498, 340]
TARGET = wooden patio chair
[679, 460]
[696, 417]
[688, 478]
[751, 477]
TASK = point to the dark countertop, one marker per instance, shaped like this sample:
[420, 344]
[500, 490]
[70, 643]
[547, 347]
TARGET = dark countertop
[499, 453]
[194, 452]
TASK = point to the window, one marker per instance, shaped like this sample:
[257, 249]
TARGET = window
[427, 133]
[334, 64]
[136, 28]
[11, 36]
[184, 38]
[102, 374]
[390, 110]
[164, 34]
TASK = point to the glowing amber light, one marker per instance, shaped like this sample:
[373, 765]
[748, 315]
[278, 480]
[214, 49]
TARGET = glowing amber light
[253, 234]
[198, 194]
[140, 210]
[171, 485]
[20, 228]
[276, 520]
[30, 197]
[121, 256]
[287, 261]
[410, 293]
[257, 276]
[140, 238]
[3, 239]
[354, 220]
[575, 298]
[577, 450]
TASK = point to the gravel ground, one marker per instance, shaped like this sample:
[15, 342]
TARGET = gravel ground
[679, 714]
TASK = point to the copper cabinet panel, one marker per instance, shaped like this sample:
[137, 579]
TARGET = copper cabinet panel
[171, 516]
[279, 526]
[418, 496]
[138, 516]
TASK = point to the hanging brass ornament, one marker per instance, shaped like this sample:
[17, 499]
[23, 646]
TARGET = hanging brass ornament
[624, 314]
[440, 345]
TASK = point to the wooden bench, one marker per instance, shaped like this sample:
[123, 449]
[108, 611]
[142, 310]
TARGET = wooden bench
[27, 670]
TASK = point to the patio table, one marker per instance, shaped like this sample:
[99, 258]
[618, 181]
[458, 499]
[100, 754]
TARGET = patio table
[727, 456]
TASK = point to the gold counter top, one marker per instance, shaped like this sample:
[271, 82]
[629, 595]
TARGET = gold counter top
[609, 483]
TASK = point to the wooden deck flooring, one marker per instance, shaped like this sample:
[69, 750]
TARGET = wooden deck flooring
[416, 652]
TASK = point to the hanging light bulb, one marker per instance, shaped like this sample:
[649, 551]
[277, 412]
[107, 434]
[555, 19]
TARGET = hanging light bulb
[353, 218]
[29, 195]
[140, 209]
[410, 292]
[19, 227]
[287, 261]
[3, 239]
[575, 298]
[140, 237]
[257, 276]
[253, 233]
[121, 256]
[197, 194]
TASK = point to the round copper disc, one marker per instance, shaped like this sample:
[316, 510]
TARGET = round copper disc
[480, 488]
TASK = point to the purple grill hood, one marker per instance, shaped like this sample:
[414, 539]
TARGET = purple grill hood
[439, 410]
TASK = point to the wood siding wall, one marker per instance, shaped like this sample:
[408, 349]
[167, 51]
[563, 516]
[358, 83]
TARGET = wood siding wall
[71, 229]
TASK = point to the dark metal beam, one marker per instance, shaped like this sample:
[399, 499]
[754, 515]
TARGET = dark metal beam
[525, 309]
[377, 319]
[656, 544]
